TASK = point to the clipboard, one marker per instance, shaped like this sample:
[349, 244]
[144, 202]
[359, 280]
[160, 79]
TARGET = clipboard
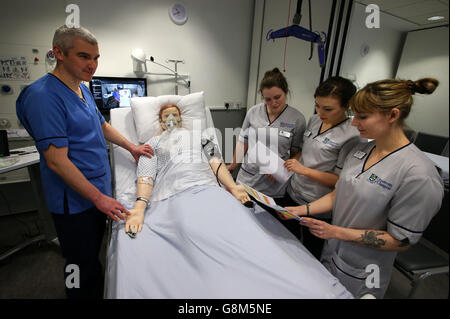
[268, 203]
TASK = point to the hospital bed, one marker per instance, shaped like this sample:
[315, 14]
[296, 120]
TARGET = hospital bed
[201, 260]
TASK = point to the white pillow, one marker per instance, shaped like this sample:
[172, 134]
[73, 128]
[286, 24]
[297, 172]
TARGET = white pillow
[146, 113]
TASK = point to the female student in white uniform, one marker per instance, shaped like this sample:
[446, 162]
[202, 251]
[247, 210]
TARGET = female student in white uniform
[386, 195]
[326, 141]
[273, 113]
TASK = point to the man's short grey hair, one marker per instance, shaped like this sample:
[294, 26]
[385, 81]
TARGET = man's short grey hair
[64, 36]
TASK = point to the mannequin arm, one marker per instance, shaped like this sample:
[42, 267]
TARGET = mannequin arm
[226, 179]
[144, 190]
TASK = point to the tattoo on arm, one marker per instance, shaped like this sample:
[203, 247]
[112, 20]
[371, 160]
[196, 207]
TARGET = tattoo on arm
[370, 239]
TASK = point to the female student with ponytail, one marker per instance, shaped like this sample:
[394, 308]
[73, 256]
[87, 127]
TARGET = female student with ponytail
[386, 194]
[273, 120]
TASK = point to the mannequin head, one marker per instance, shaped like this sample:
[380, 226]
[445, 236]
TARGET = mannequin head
[169, 115]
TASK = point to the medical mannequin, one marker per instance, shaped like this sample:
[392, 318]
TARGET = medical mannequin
[170, 120]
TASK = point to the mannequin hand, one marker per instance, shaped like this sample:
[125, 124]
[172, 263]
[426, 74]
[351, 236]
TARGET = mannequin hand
[319, 228]
[239, 192]
[294, 165]
[296, 210]
[134, 221]
[109, 206]
[139, 150]
[272, 178]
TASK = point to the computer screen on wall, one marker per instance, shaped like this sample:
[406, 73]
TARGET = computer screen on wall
[113, 92]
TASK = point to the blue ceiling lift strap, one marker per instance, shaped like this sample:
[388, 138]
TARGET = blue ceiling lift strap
[301, 33]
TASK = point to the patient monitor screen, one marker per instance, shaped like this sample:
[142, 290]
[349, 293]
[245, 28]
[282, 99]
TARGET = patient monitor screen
[111, 92]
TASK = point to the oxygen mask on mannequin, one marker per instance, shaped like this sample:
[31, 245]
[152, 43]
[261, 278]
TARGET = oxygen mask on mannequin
[171, 122]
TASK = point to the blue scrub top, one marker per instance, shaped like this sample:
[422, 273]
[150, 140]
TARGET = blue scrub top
[53, 114]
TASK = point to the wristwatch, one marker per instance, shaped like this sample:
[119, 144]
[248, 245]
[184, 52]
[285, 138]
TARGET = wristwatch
[147, 202]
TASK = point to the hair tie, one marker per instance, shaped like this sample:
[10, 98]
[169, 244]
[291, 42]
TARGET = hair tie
[412, 86]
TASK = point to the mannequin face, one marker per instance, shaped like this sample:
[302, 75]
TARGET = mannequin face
[166, 113]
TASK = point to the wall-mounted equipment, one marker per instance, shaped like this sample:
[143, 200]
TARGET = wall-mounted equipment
[140, 68]
[178, 14]
[50, 61]
[6, 89]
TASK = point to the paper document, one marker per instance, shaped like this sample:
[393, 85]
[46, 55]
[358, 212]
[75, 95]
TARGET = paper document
[268, 162]
[267, 201]
[12, 133]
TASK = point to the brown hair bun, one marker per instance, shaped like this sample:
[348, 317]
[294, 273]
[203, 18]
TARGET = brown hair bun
[423, 86]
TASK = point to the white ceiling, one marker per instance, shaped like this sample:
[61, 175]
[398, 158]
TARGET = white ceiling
[414, 11]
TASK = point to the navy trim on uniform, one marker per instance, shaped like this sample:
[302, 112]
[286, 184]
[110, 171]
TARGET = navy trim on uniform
[83, 99]
[267, 113]
[365, 161]
[363, 170]
[318, 132]
[97, 176]
[411, 231]
[247, 171]
[48, 138]
[61, 81]
[345, 272]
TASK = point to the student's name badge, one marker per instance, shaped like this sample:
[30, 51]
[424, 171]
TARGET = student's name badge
[285, 134]
[359, 154]
[307, 133]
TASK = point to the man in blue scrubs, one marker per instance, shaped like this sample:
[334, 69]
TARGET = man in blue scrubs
[59, 112]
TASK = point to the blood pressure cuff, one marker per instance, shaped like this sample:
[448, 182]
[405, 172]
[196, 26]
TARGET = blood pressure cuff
[210, 148]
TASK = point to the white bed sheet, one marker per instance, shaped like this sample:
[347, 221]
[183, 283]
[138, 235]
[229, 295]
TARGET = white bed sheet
[202, 243]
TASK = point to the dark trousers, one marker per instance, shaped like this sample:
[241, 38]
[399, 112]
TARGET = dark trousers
[312, 243]
[80, 236]
[291, 224]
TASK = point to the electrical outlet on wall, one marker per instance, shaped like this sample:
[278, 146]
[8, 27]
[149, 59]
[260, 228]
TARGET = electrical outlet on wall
[6, 89]
[4, 124]
[228, 104]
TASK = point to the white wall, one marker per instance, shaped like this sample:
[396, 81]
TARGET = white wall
[215, 42]
[426, 55]
[385, 47]
[302, 75]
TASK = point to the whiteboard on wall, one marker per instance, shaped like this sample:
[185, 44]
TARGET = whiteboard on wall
[35, 70]
[425, 54]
